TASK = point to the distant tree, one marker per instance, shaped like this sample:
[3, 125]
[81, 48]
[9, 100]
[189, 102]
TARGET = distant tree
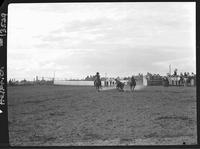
[90, 78]
[23, 81]
[87, 78]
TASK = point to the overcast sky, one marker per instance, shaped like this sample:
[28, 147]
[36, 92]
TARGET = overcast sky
[78, 39]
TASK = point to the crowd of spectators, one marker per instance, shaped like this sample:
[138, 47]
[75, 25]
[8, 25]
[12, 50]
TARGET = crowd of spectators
[183, 75]
[151, 76]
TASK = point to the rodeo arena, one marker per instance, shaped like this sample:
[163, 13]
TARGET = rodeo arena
[98, 110]
[182, 79]
[185, 79]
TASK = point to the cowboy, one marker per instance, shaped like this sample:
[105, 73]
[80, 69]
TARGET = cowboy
[132, 79]
[97, 81]
[175, 72]
[185, 74]
[97, 76]
[132, 83]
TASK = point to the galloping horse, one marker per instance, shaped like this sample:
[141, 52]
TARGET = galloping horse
[97, 84]
[132, 84]
[119, 85]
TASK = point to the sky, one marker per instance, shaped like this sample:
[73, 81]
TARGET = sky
[73, 40]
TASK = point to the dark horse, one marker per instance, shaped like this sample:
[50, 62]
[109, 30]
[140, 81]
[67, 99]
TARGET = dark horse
[119, 85]
[97, 84]
[132, 84]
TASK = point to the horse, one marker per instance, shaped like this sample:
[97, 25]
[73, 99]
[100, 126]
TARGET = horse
[119, 85]
[97, 84]
[132, 84]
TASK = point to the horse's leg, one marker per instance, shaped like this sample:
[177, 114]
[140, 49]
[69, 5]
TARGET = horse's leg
[120, 87]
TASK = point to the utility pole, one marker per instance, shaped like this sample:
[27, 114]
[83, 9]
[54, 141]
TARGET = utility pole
[170, 69]
[54, 75]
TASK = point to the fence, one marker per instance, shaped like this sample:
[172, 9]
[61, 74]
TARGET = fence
[155, 82]
[79, 83]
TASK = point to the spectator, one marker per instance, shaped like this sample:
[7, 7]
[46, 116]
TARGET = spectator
[193, 75]
[175, 72]
[188, 74]
[181, 74]
[185, 74]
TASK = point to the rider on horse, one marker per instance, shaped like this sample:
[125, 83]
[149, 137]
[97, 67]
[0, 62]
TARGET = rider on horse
[97, 81]
[132, 79]
[132, 83]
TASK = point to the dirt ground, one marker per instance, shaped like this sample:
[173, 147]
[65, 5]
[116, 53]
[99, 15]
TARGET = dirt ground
[75, 115]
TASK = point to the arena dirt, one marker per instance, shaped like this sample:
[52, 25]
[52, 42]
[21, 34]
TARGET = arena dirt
[74, 115]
